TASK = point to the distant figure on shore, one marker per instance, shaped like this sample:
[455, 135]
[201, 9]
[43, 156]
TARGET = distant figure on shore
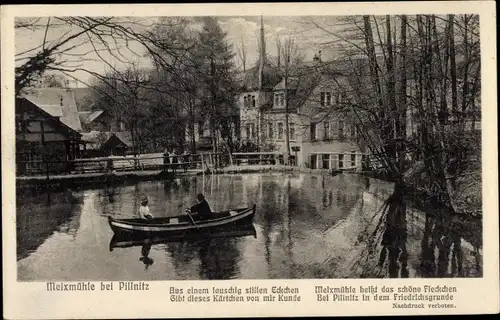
[173, 156]
[166, 156]
[144, 209]
[186, 159]
[202, 208]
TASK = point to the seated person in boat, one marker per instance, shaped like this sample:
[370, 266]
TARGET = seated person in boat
[202, 207]
[144, 209]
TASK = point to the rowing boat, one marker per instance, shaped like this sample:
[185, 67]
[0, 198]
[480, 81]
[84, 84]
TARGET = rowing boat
[181, 224]
[121, 241]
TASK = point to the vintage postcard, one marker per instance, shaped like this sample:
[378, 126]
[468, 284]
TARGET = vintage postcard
[249, 160]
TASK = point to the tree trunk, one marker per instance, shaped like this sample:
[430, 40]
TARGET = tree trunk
[401, 132]
[287, 135]
[453, 65]
[465, 87]
[382, 126]
[391, 92]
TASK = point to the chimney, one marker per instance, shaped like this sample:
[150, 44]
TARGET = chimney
[262, 53]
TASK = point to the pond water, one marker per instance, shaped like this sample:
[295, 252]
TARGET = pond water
[305, 227]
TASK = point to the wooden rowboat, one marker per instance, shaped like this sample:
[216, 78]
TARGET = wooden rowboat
[181, 224]
[119, 241]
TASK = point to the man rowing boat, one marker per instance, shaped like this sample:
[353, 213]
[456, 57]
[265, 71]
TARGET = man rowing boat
[202, 207]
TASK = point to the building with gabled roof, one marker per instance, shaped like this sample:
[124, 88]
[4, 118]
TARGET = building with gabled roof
[103, 144]
[319, 137]
[48, 130]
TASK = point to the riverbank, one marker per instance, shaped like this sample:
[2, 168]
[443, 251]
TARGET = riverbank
[93, 180]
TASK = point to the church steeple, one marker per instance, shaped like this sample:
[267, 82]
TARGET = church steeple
[262, 53]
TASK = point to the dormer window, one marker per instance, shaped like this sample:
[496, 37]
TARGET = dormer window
[326, 98]
[245, 102]
[253, 101]
[279, 99]
[340, 97]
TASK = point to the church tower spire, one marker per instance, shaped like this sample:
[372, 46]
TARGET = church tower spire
[262, 54]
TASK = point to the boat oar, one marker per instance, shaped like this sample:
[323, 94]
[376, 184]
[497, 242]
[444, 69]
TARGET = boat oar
[194, 223]
[192, 220]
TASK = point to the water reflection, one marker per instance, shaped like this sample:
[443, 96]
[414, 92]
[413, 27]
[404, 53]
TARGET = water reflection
[40, 215]
[395, 236]
[442, 250]
[145, 249]
[305, 227]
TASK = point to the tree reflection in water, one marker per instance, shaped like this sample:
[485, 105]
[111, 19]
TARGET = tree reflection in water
[441, 243]
[219, 259]
[444, 233]
[40, 215]
[215, 258]
[395, 236]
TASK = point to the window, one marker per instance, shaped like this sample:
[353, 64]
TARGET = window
[270, 130]
[253, 101]
[333, 130]
[341, 160]
[280, 130]
[326, 161]
[341, 129]
[312, 130]
[252, 129]
[341, 97]
[328, 98]
[247, 129]
[291, 128]
[245, 101]
[353, 159]
[279, 99]
[327, 131]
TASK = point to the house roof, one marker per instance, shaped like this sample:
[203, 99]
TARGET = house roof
[84, 116]
[303, 82]
[250, 79]
[96, 139]
[94, 115]
[57, 102]
[292, 84]
[125, 137]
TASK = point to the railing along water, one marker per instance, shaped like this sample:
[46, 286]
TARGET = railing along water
[158, 162]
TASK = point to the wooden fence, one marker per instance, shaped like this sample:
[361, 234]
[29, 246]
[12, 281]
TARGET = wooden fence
[200, 162]
[260, 158]
[159, 162]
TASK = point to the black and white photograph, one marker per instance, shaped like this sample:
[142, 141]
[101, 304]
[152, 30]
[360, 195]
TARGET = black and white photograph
[250, 146]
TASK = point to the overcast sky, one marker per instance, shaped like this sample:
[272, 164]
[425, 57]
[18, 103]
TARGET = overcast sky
[238, 28]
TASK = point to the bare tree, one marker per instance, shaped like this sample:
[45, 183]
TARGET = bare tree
[110, 35]
[242, 54]
[292, 58]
